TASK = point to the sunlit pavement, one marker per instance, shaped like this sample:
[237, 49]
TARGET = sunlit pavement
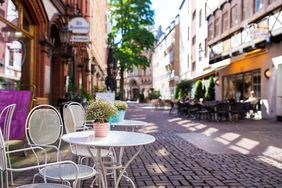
[189, 153]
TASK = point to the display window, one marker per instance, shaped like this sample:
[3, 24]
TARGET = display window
[16, 36]
[238, 86]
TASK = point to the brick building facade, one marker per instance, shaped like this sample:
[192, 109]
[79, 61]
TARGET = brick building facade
[33, 52]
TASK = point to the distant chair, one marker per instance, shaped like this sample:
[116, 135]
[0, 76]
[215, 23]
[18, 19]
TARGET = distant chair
[239, 109]
[222, 110]
[194, 110]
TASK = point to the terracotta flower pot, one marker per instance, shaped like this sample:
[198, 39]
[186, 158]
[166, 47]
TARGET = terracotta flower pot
[101, 129]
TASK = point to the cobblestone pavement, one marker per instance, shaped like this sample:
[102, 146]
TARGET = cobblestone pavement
[172, 161]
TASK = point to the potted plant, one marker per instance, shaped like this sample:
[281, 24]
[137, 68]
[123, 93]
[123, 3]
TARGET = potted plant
[100, 111]
[121, 106]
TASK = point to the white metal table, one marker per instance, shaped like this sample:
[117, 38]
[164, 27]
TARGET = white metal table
[119, 139]
[127, 123]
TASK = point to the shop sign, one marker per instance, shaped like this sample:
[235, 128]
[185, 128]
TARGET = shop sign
[260, 33]
[79, 25]
[80, 38]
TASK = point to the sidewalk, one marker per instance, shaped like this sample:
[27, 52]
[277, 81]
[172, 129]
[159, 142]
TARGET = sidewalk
[189, 153]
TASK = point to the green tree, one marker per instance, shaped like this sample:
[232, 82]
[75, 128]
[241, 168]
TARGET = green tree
[184, 87]
[199, 91]
[131, 37]
[210, 93]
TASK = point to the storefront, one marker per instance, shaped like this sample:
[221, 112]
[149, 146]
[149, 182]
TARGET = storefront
[254, 70]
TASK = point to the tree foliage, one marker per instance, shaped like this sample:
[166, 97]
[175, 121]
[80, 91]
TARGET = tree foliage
[210, 93]
[184, 87]
[199, 91]
[131, 37]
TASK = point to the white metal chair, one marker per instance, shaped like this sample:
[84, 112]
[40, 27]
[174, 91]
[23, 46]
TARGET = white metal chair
[4, 167]
[6, 116]
[44, 128]
[79, 120]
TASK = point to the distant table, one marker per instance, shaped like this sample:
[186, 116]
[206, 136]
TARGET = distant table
[120, 139]
[129, 124]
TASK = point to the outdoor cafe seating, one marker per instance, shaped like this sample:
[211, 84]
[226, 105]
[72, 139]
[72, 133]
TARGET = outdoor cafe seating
[217, 110]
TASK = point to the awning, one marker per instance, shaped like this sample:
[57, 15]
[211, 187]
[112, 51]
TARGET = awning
[221, 64]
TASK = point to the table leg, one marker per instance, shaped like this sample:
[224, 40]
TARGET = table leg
[126, 165]
[100, 166]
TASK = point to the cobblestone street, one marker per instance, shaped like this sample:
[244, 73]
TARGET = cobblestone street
[246, 153]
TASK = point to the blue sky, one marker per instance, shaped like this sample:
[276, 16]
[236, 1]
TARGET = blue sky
[165, 11]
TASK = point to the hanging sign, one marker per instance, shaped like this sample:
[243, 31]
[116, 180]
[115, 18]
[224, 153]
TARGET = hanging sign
[79, 38]
[79, 25]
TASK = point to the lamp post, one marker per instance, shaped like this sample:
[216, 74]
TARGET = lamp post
[65, 35]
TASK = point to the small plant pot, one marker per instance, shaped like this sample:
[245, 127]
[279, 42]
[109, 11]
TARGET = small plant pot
[120, 115]
[101, 129]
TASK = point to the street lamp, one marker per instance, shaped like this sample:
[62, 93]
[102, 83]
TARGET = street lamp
[65, 35]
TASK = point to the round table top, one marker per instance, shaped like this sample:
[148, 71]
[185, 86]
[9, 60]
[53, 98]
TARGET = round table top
[129, 123]
[114, 138]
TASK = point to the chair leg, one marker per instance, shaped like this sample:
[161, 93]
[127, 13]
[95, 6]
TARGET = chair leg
[11, 173]
[12, 178]
[7, 179]
[1, 181]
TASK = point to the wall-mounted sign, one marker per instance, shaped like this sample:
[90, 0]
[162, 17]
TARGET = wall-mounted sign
[79, 25]
[79, 38]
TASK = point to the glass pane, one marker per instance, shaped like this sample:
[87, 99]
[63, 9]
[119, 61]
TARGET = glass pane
[239, 87]
[10, 12]
[232, 87]
[247, 85]
[13, 54]
[257, 83]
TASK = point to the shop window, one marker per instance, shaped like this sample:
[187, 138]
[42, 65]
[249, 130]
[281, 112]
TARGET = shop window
[246, 9]
[234, 15]
[10, 12]
[257, 83]
[238, 86]
[15, 43]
